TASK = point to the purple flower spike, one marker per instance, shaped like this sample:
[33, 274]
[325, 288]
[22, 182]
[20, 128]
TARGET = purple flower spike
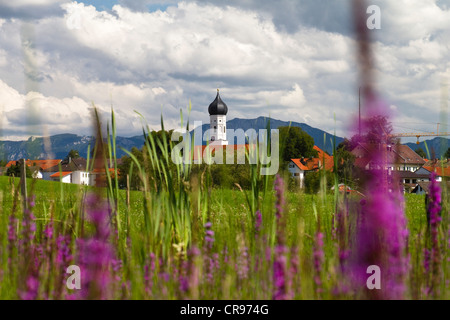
[318, 261]
[434, 217]
[96, 253]
[279, 274]
[32, 285]
[12, 229]
[258, 222]
[279, 191]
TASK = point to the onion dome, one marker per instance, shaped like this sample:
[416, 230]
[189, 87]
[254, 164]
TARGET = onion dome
[217, 107]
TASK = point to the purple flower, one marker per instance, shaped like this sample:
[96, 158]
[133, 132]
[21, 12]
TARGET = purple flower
[149, 270]
[242, 265]
[382, 241]
[29, 255]
[318, 261]
[209, 260]
[279, 192]
[63, 253]
[12, 229]
[117, 268]
[209, 235]
[293, 275]
[191, 282]
[258, 222]
[28, 224]
[32, 287]
[12, 237]
[208, 225]
[279, 263]
[279, 273]
[96, 254]
[434, 212]
[48, 231]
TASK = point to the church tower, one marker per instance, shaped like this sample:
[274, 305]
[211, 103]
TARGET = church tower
[218, 121]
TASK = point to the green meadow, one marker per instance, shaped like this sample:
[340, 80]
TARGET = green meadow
[152, 236]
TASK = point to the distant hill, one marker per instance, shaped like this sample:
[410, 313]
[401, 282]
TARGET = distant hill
[61, 144]
[437, 146]
[321, 138]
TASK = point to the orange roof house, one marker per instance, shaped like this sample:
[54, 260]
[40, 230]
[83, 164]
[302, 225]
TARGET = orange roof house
[323, 161]
[441, 172]
[60, 174]
[299, 167]
[43, 164]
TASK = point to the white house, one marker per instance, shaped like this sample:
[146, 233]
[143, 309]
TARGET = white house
[65, 176]
[36, 172]
[80, 177]
[398, 157]
[300, 167]
[297, 170]
[73, 171]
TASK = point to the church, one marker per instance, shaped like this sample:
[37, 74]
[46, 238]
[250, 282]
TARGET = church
[218, 121]
[244, 146]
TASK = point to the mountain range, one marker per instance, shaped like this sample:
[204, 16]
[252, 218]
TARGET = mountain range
[61, 144]
[322, 139]
[436, 147]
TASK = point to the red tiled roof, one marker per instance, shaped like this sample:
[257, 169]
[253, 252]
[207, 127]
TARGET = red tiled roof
[326, 161]
[44, 164]
[401, 154]
[442, 172]
[299, 164]
[60, 174]
[361, 162]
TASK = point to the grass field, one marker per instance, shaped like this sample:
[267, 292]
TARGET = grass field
[208, 245]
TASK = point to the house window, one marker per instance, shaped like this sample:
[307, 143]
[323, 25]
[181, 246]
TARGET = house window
[296, 174]
[220, 120]
[414, 180]
[214, 127]
[406, 180]
[224, 130]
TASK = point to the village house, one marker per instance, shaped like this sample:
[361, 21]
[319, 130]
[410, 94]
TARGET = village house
[412, 171]
[70, 171]
[36, 172]
[409, 180]
[301, 166]
[423, 187]
[37, 167]
[398, 157]
[441, 168]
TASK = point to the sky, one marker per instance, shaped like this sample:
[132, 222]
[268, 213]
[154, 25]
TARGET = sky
[292, 60]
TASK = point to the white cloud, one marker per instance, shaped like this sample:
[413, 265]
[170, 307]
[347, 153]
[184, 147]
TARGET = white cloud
[156, 62]
[22, 3]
